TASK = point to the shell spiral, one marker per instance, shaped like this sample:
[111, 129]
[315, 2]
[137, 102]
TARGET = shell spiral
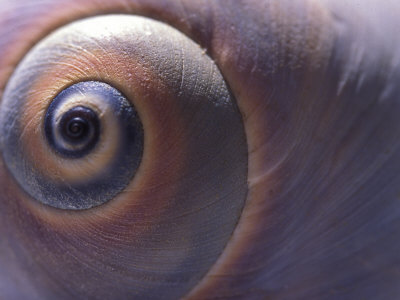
[193, 149]
[126, 128]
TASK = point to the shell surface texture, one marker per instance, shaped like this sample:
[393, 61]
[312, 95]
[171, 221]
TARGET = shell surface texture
[208, 149]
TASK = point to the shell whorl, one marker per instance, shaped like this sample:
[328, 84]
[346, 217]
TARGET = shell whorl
[316, 85]
[134, 207]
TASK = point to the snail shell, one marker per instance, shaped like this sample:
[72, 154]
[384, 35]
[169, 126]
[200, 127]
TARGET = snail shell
[128, 194]
[287, 189]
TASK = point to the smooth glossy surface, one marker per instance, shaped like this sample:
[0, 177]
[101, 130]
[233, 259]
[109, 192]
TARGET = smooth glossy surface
[166, 225]
[317, 85]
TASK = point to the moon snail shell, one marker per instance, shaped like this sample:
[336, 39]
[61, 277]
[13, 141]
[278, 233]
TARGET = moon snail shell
[199, 150]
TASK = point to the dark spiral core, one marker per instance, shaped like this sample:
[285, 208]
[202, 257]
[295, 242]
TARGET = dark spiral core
[78, 130]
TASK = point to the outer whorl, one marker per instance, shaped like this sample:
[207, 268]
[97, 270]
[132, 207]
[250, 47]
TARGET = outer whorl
[199, 149]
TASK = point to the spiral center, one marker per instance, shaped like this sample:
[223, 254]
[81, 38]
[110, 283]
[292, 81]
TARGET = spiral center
[76, 133]
[76, 128]
[80, 126]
